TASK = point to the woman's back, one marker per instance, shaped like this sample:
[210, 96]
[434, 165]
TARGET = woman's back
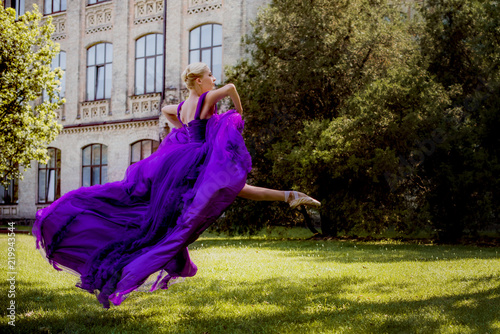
[192, 109]
[196, 126]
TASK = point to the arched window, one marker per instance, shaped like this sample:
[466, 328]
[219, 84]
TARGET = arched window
[149, 64]
[142, 149]
[49, 177]
[94, 165]
[54, 6]
[99, 71]
[58, 61]
[205, 45]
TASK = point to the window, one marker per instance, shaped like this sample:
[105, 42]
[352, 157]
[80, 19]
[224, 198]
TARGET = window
[9, 194]
[149, 64]
[58, 61]
[18, 5]
[205, 45]
[49, 177]
[99, 71]
[94, 165]
[54, 6]
[91, 2]
[142, 149]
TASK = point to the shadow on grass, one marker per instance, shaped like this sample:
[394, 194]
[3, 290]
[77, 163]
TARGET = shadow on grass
[475, 312]
[68, 310]
[322, 301]
[281, 304]
[349, 252]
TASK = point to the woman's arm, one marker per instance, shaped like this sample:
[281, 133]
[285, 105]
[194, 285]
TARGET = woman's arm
[170, 112]
[215, 96]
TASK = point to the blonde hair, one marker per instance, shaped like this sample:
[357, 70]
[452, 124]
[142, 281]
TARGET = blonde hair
[192, 72]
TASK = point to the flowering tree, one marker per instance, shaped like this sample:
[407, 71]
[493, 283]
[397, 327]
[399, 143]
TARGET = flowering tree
[26, 127]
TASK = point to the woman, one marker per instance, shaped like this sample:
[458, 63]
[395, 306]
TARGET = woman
[133, 234]
[200, 80]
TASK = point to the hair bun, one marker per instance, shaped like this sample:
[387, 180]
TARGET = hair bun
[192, 72]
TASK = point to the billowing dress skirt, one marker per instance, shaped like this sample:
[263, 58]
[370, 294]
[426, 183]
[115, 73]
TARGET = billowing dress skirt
[133, 234]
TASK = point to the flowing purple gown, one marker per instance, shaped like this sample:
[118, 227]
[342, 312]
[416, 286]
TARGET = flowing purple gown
[133, 234]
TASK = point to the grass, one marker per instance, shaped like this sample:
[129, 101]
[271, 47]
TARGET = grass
[273, 284]
[18, 227]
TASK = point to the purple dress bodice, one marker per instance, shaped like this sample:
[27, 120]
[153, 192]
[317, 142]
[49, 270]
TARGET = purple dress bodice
[196, 129]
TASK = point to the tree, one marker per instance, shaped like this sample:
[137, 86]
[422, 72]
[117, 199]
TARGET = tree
[308, 57]
[367, 163]
[462, 49]
[389, 122]
[418, 148]
[26, 128]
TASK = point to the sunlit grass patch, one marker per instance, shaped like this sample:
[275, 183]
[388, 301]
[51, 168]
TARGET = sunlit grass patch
[279, 284]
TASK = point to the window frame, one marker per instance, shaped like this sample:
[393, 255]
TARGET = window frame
[140, 141]
[14, 188]
[61, 10]
[106, 81]
[19, 5]
[158, 59]
[57, 172]
[92, 165]
[211, 48]
[96, 2]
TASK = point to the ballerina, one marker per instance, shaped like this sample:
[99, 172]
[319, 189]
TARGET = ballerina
[133, 234]
[200, 80]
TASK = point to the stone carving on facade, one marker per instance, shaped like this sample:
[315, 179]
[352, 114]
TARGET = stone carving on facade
[164, 127]
[61, 113]
[99, 18]
[147, 104]
[59, 23]
[109, 127]
[10, 210]
[147, 11]
[40, 207]
[171, 96]
[200, 6]
[95, 110]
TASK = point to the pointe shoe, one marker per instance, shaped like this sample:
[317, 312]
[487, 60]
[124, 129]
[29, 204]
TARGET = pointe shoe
[302, 200]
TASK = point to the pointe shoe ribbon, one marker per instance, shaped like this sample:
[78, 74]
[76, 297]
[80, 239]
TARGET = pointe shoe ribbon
[303, 200]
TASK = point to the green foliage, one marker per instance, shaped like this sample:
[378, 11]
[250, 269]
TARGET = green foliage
[307, 59]
[26, 128]
[388, 122]
[370, 157]
[462, 48]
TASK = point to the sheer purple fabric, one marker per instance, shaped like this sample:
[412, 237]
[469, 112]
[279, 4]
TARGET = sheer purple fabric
[117, 235]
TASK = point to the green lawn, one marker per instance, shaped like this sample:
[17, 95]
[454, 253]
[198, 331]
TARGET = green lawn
[269, 285]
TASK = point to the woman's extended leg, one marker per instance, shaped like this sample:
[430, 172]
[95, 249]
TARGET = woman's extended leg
[265, 194]
[261, 194]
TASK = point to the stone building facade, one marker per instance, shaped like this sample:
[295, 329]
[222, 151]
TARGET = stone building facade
[114, 53]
